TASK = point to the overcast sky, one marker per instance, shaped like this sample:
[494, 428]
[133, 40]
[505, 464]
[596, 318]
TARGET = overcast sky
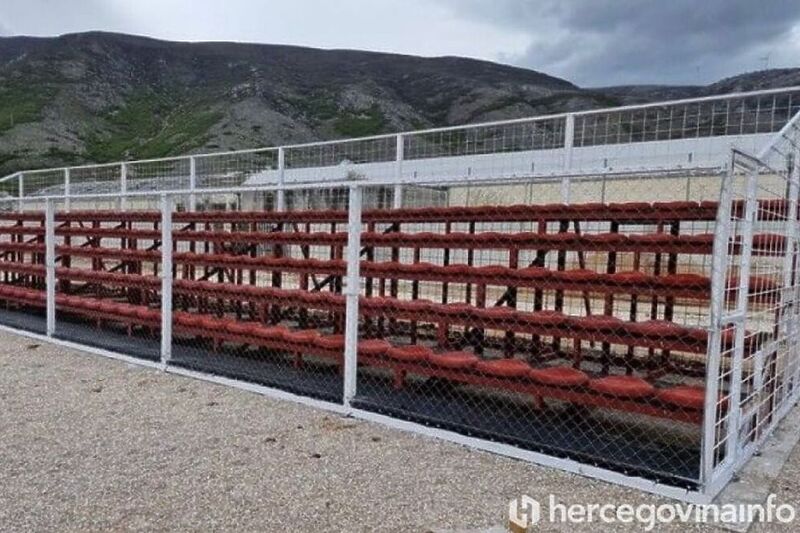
[589, 42]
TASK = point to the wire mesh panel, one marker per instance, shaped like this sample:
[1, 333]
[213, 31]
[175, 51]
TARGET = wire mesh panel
[22, 273]
[347, 160]
[257, 295]
[580, 331]
[95, 180]
[756, 351]
[516, 148]
[43, 182]
[108, 280]
[158, 175]
[220, 171]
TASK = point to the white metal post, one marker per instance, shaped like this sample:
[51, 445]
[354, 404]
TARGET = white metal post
[569, 141]
[123, 186]
[352, 292]
[397, 201]
[67, 178]
[789, 303]
[21, 191]
[50, 264]
[740, 321]
[280, 201]
[192, 184]
[166, 278]
[719, 267]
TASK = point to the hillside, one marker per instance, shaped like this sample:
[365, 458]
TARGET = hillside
[101, 97]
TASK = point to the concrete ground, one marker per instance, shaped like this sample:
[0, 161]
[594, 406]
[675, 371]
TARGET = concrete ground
[88, 443]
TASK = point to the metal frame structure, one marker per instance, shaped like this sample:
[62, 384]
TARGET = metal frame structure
[747, 391]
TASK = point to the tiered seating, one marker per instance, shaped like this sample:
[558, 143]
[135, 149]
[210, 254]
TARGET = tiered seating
[478, 331]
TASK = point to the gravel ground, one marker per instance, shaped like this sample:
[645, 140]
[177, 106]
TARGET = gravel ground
[88, 443]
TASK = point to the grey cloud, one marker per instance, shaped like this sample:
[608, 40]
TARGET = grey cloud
[604, 42]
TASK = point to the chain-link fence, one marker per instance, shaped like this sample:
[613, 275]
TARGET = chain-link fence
[644, 323]
[656, 339]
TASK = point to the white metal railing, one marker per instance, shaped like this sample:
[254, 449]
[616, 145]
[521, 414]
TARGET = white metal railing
[685, 134]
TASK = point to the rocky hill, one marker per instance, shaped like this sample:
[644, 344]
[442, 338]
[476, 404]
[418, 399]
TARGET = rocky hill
[101, 97]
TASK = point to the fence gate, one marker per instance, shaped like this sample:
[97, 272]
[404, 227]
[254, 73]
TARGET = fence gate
[753, 356]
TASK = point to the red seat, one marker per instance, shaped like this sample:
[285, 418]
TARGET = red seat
[600, 323]
[684, 396]
[584, 207]
[182, 319]
[559, 376]
[579, 275]
[460, 311]
[454, 360]
[378, 303]
[420, 239]
[656, 328]
[629, 207]
[492, 271]
[211, 323]
[607, 238]
[676, 206]
[622, 387]
[496, 314]
[415, 306]
[191, 320]
[314, 298]
[653, 238]
[504, 368]
[489, 238]
[373, 347]
[632, 277]
[420, 268]
[563, 237]
[457, 270]
[686, 281]
[330, 342]
[304, 337]
[547, 318]
[386, 268]
[125, 310]
[144, 313]
[700, 239]
[73, 301]
[273, 333]
[107, 307]
[458, 238]
[92, 304]
[237, 328]
[410, 354]
[333, 299]
[533, 273]
[251, 291]
[526, 238]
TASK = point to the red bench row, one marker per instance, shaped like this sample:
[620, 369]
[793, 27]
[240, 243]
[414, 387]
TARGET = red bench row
[624, 212]
[628, 393]
[653, 334]
[701, 244]
[570, 241]
[628, 282]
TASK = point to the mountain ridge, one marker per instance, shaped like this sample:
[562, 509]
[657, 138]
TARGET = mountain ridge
[98, 97]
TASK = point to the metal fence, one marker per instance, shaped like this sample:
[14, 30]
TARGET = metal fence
[668, 136]
[645, 331]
